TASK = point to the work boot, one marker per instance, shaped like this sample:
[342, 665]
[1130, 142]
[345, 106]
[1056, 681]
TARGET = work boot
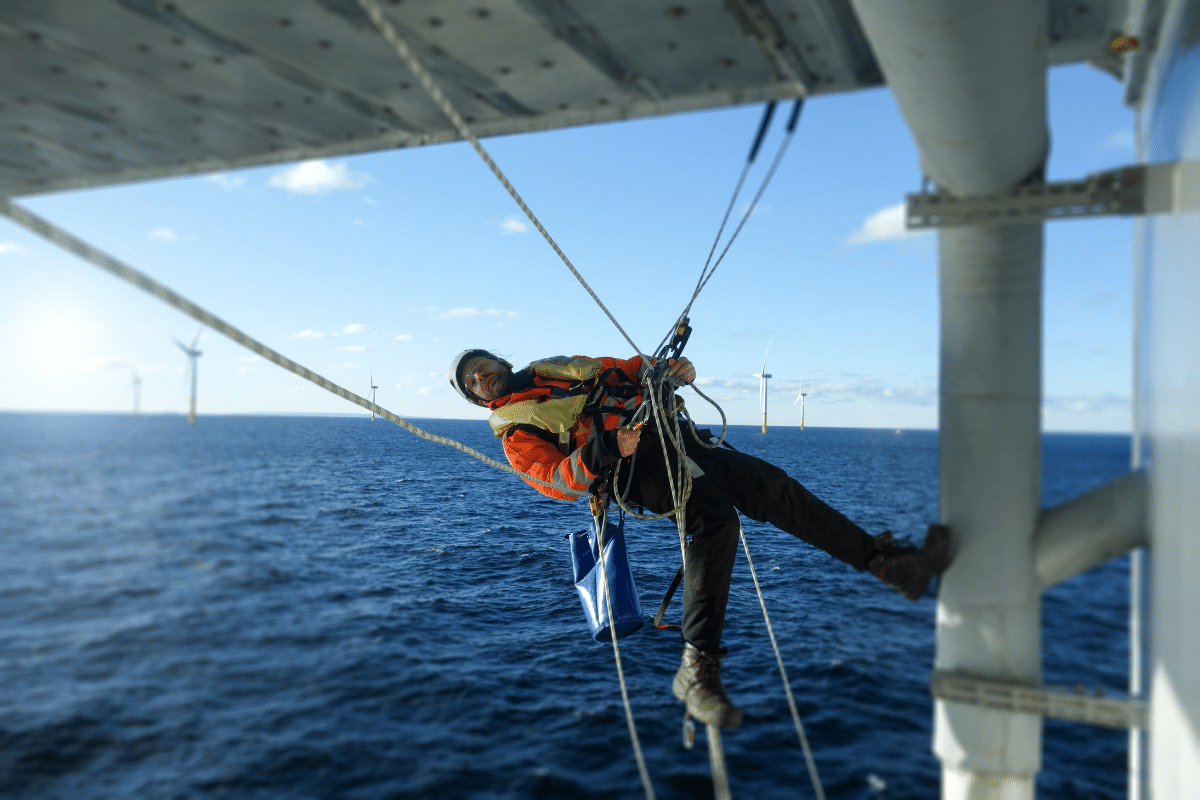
[909, 569]
[698, 684]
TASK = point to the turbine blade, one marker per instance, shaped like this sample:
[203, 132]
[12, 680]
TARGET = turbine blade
[196, 339]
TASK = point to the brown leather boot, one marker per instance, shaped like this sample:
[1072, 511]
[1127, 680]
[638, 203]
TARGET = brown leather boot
[698, 684]
[909, 569]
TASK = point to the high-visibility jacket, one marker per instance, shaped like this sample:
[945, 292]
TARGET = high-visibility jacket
[548, 430]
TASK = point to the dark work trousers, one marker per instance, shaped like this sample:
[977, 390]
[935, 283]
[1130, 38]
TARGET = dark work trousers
[734, 482]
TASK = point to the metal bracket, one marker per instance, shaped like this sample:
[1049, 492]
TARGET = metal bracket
[1021, 698]
[1134, 190]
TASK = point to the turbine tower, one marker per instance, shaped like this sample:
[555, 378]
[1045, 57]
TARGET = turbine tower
[800, 399]
[762, 386]
[137, 392]
[373, 388]
[192, 354]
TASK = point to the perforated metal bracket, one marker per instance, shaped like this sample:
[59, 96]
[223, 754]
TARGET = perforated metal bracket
[1021, 698]
[1141, 189]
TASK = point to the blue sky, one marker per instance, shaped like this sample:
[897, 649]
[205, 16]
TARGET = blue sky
[388, 264]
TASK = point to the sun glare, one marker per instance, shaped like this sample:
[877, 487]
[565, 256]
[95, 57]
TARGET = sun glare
[60, 341]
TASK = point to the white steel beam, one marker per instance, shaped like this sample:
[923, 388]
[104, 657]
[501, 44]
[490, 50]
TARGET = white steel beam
[970, 80]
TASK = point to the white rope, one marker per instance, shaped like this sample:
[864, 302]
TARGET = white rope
[808, 757]
[601, 521]
[392, 37]
[706, 273]
[60, 237]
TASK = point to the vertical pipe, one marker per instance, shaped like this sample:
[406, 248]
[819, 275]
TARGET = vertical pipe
[1139, 563]
[989, 618]
[970, 80]
[192, 401]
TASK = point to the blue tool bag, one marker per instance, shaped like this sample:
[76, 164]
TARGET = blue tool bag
[589, 580]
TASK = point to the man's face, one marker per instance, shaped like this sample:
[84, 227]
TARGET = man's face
[486, 378]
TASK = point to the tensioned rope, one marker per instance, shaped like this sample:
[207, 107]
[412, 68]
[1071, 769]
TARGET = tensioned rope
[601, 526]
[706, 273]
[58, 236]
[400, 46]
[808, 756]
[392, 37]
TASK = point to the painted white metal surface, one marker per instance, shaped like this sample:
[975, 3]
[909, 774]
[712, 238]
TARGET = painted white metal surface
[1088, 530]
[970, 81]
[1168, 412]
[95, 92]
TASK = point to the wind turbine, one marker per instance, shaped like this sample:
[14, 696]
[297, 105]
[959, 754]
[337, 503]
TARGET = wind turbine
[373, 388]
[137, 392]
[800, 399]
[192, 354]
[762, 386]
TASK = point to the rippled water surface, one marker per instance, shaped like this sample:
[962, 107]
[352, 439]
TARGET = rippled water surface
[260, 607]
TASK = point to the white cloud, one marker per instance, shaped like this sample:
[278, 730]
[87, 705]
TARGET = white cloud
[319, 177]
[227, 182]
[399, 385]
[851, 389]
[162, 234]
[358, 222]
[425, 390]
[514, 224]
[436, 375]
[1093, 403]
[404, 337]
[865, 388]
[1120, 140]
[467, 312]
[11, 249]
[310, 334]
[250, 359]
[353, 348]
[348, 365]
[885, 224]
[757, 210]
[358, 327]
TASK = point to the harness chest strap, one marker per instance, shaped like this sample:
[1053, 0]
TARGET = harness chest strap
[557, 409]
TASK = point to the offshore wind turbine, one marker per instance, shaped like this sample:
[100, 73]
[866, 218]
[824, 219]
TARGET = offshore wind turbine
[137, 392]
[762, 386]
[373, 388]
[192, 354]
[800, 399]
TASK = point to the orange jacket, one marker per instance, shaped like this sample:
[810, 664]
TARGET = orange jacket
[573, 467]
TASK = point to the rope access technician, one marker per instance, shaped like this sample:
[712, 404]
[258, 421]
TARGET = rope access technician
[564, 421]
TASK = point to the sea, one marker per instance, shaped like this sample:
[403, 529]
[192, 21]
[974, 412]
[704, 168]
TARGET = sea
[329, 607]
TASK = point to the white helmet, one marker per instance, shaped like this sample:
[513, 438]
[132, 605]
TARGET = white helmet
[456, 377]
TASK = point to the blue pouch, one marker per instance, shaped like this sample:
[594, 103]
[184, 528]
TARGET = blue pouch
[589, 581]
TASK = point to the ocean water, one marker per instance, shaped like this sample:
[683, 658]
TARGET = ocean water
[326, 607]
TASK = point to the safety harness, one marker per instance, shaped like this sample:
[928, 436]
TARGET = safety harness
[565, 389]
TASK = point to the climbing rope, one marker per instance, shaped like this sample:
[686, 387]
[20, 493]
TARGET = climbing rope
[706, 272]
[392, 37]
[58, 236]
[400, 46]
[808, 756]
[601, 521]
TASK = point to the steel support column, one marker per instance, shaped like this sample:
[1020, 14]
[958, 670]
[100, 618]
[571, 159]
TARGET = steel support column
[970, 80]
[989, 619]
